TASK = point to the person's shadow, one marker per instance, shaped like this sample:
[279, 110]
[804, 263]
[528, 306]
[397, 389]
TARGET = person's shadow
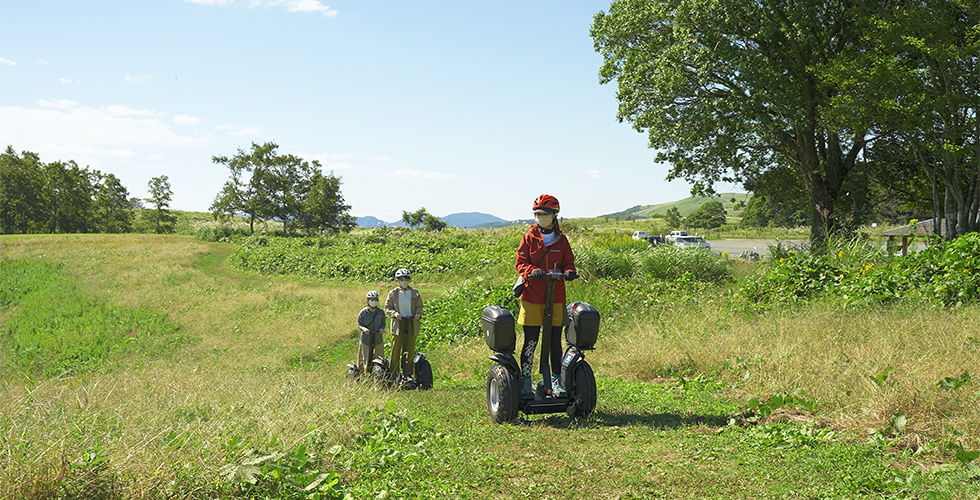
[600, 419]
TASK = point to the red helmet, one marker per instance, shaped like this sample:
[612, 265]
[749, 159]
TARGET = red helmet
[546, 202]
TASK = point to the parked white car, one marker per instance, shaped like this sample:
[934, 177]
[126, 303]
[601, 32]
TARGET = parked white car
[692, 242]
[674, 235]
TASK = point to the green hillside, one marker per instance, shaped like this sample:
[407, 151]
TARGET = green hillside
[685, 206]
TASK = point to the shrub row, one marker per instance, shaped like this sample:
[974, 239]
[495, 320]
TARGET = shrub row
[375, 255]
[943, 274]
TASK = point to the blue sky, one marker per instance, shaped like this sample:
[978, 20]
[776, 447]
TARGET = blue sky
[453, 106]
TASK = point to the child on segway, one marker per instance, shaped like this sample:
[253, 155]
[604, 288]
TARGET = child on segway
[544, 248]
[404, 306]
[371, 324]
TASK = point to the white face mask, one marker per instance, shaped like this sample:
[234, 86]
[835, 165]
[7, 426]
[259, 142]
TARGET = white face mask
[403, 283]
[373, 303]
[544, 220]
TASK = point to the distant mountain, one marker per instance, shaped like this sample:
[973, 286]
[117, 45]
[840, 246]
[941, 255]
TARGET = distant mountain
[369, 221]
[462, 219]
[470, 219]
[685, 207]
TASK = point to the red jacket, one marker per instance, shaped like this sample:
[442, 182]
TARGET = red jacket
[530, 252]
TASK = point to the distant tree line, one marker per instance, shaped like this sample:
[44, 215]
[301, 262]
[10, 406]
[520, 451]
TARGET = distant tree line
[61, 197]
[422, 218]
[266, 185]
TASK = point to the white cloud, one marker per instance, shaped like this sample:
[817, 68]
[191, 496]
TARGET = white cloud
[305, 6]
[407, 173]
[291, 6]
[7, 62]
[57, 104]
[379, 158]
[595, 174]
[137, 78]
[186, 120]
[42, 62]
[61, 129]
[64, 81]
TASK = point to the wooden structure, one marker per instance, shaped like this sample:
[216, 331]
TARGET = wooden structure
[922, 230]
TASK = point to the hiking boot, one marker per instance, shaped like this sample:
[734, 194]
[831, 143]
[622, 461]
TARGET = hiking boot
[557, 385]
[526, 391]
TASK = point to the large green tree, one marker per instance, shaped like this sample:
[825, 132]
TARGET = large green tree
[67, 197]
[265, 184]
[932, 48]
[160, 197]
[324, 208]
[422, 218]
[21, 192]
[736, 87]
[709, 215]
[112, 209]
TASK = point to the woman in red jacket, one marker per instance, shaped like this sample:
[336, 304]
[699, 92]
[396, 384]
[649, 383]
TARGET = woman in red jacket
[543, 248]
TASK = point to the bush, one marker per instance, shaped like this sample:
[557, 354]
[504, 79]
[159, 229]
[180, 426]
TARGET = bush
[855, 272]
[219, 233]
[374, 256]
[669, 263]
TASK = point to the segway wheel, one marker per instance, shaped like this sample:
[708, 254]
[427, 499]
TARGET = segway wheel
[379, 372]
[423, 374]
[584, 399]
[352, 372]
[503, 394]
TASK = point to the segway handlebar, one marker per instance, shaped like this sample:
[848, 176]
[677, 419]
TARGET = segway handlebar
[558, 275]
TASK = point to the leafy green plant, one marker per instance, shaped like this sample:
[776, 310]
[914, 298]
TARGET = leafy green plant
[373, 257]
[880, 378]
[758, 409]
[955, 383]
[272, 474]
[785, 435]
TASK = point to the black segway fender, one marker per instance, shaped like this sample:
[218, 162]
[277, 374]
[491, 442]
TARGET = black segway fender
[423, 372]
[507, 360]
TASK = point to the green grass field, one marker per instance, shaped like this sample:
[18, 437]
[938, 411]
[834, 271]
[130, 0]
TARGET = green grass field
[234, 388]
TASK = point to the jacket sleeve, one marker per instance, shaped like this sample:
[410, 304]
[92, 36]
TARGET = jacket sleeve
[390, 306]
[524, 264]
[362, 320]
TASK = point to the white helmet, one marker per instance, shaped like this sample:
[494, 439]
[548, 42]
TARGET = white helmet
[373, 294]
[403, 273]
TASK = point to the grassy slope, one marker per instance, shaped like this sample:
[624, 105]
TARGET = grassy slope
[685, 206]
[269, 365]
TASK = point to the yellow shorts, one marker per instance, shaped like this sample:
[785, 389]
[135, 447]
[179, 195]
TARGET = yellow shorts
[533, 314]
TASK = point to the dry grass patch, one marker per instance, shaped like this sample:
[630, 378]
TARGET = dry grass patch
[863, 365]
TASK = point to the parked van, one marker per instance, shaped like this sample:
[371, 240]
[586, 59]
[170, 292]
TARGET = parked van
[672, 237]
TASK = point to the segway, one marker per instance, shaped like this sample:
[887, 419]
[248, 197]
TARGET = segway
[421, 379]
[354, 373]
[380, 373]
[504, 399]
